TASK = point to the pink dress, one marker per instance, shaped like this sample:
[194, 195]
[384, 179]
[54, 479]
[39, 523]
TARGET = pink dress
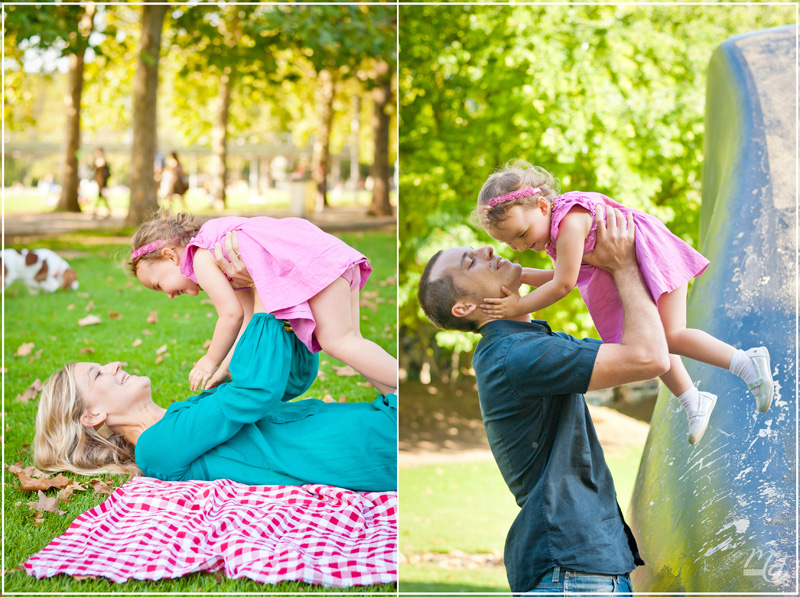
[666, 262]
[290, 261]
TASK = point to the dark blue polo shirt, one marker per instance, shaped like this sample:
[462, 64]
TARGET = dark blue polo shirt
[530, 382]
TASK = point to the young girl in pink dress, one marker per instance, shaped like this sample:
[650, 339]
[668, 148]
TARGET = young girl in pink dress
[520, 207]
[300, 274]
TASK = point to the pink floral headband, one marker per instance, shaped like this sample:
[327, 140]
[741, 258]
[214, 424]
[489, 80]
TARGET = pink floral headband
[526, 192]
[150, 247]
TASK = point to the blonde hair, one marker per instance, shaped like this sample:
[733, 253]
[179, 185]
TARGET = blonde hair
[515, 175]
[173, 230]
[62, 443]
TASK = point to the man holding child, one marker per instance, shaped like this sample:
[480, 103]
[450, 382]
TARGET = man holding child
[570, 533]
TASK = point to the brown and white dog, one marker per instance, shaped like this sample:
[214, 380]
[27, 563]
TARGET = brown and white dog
[39, 269]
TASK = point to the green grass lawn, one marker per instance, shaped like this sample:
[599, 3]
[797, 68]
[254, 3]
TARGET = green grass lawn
[49, 321]
[467, 507]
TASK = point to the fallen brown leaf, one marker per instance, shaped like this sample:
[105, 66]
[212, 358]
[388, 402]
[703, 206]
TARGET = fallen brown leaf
[100, 488]
[46, 504]
[31, 393]
[70, 307]
[346, 371]
[87, 349]
[137, 342]
[161, 349]
[25, 349]
[42, 483]
[90, 306]
[153, 317]
[365, 303]
[114, 315]
[65, 494]
[89, 320]
[147, 332]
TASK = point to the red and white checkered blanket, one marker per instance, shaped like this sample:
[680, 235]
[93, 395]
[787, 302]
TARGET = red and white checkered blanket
[150, 529]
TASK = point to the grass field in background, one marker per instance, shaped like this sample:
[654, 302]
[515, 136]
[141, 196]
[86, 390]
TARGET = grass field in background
[184, 324]
[467, 507]
[16, 201]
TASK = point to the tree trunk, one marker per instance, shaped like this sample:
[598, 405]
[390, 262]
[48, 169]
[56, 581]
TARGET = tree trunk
[381, 118]
[219, 143]
[355, 126]
[265, 181]
[70, 181]
[322, 145]
[144, 201]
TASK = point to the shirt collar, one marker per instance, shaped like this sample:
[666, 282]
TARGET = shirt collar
[508, 326]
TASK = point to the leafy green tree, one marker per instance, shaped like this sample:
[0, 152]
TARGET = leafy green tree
[382, 98]
[607, 98]
[236, 46]
[143, 200]
[66, 28]
[336, 41]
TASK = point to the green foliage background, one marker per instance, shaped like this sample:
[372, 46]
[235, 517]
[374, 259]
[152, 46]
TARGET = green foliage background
[607, 98]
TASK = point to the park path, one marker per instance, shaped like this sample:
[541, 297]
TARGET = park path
[19, 227]
[442, 425]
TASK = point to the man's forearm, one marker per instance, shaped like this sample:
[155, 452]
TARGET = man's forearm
[641, 321]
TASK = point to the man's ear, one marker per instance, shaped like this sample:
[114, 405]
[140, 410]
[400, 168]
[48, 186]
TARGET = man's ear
[170, 254]
[462, 309]
[93, 419]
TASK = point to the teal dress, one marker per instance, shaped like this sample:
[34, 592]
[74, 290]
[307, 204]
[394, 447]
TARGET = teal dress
[247, 431]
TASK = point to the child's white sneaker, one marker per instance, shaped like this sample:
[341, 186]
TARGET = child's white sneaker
[762, 387]
[698, 422]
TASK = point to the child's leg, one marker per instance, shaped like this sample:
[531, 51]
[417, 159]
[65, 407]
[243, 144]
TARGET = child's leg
[698, 405]
[355, 309]
[751, 366]
[339, 336]
[677, 378]
[688, 342]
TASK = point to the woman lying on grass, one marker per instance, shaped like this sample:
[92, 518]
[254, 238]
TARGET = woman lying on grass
[244, 430]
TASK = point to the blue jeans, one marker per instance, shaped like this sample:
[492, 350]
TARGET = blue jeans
[562, 581]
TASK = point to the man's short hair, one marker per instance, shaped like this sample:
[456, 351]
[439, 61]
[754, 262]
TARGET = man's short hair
[437, 298]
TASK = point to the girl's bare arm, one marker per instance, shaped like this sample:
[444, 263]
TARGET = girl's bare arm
[536, 277]
[246, 299]
[573, 231]
[230, 315]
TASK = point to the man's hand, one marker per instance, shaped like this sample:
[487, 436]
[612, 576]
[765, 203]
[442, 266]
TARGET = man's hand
[615, 248]
[503, 308]
[233, 266]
